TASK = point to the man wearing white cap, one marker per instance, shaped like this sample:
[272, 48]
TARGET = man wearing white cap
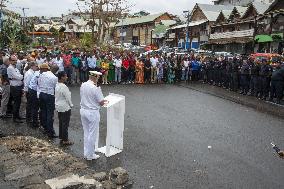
[91, 101]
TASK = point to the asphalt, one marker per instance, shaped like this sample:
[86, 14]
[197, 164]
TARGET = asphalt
[168, 129]
[167, 133]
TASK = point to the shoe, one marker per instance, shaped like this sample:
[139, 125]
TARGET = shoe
[5, 116]
[21, 118]
[94, 157]
[66, 143]
[17, 120]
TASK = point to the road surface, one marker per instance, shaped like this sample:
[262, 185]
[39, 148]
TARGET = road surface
[167, 133]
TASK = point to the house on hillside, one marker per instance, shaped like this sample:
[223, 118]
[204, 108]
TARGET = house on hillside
[235, 33]
[75, 28]
[270, 29]
[202, 17]
[138, 30]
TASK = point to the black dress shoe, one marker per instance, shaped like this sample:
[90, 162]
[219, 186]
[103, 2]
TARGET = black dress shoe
[5, 116]
[21, 118]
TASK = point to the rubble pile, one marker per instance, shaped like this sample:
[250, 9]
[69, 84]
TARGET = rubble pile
[31, 146]
[27, 162]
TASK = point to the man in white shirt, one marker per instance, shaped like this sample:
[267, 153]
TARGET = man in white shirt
[16, 86]
[91, 101]
[59, 62]
[40, 60]
[46, 85]
[63, 105]
[27, 78]
[185, 69]
[92, 62]
[117, 64]
[154, 62]
[33, 90]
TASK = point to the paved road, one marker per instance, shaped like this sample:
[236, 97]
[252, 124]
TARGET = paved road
[167, 133]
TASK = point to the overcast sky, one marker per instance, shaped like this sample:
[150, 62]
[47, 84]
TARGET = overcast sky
[57, 7]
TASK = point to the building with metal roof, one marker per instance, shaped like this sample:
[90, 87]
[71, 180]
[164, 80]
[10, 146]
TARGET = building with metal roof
[139, 30]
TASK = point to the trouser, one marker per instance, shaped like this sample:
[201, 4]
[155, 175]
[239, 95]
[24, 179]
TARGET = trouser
[16, 92]
[125, 74]
[264, 86]
[210, 76]
[83, 76]
[234, 81]
[68, 71]
[90, 121]
[276, 90]
[245, 83]
[254, 85]
[227, 80]
[117, 74]
[34, 106]
[75, 75]
[154, 74]
[64, 120]
[28, 107]
[131, 74]
[47, 106]
[105, 75]
[185, 74]
[5, 99]
[195, 74]
[147, 76]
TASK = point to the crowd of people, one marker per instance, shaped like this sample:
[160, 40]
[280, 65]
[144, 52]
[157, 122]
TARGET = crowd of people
[255, 77]
[42, 79]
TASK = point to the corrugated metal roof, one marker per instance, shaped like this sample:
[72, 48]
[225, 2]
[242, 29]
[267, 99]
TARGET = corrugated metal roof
[212, 11]
[190, 24]
[211, 15]
[226, 13]
[168, 22]
[241, 10]
[215, 8]
[261, 7]
[138, 20]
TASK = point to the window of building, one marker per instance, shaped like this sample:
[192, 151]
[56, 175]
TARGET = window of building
[71, 27]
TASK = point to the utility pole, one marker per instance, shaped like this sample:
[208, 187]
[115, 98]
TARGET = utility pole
[187, 29]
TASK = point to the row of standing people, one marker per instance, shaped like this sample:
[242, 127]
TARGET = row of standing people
[44, 89]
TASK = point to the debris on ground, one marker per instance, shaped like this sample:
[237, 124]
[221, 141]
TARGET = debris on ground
[27, 162]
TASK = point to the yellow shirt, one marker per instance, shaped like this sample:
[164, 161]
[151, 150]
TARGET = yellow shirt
[105, 65]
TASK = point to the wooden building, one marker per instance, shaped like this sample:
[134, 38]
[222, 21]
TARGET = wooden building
[270, 29]
[235, 32]
[138, 30]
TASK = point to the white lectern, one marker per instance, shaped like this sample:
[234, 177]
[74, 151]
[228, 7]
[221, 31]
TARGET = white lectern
[115, 125]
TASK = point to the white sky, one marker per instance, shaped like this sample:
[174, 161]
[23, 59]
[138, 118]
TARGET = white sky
[57, 7]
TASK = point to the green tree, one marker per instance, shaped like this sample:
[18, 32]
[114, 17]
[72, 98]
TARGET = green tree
[14, 36]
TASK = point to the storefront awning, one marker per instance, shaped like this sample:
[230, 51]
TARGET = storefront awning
[263, 38]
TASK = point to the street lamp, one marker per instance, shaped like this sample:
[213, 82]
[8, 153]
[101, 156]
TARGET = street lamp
[187, 28]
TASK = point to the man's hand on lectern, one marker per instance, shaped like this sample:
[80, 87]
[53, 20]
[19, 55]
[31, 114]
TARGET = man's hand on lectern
[104, 102]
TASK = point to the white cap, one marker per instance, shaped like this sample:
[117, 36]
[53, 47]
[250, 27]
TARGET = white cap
[93, 73]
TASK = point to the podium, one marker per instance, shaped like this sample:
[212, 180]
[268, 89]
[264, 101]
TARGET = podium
[115, 125]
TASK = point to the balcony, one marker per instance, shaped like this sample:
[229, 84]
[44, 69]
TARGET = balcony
[233, 34]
